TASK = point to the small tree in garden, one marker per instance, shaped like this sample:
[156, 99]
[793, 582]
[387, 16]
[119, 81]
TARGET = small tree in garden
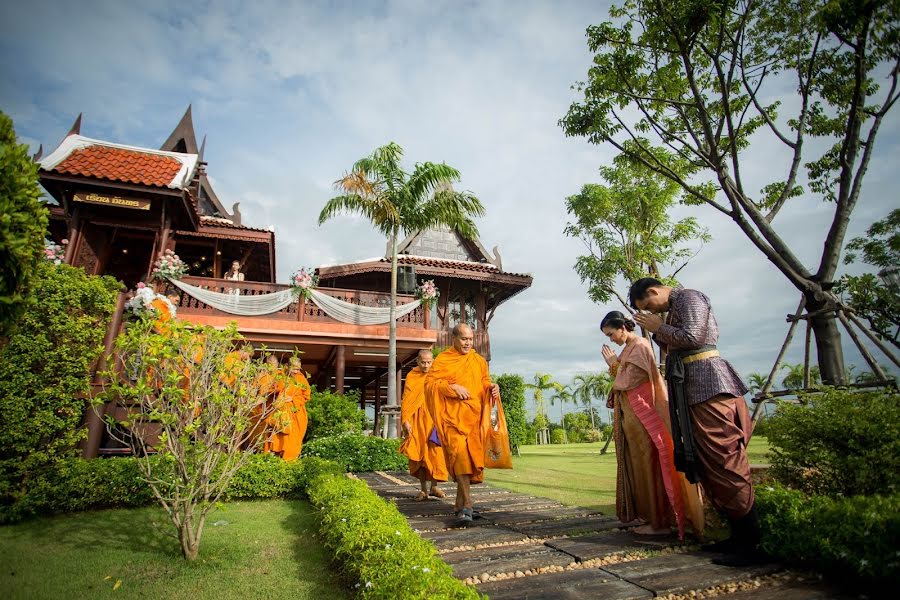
[23, 223]
[333, 414]
[189, 397]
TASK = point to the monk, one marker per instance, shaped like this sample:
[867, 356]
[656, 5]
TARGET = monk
[292, 416]
[426, 459]
[271, 385]
[458, 389]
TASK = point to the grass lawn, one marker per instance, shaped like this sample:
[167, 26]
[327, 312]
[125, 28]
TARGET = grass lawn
[263, 549]
[576, 474]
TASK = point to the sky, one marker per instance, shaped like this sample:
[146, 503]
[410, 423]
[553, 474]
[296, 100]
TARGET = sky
[290, 95]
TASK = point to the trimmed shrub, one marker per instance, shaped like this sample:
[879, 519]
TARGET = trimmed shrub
[356, 453]
[266, 476]
[858, 535]
[332, 414]
[23, 224]
[557, 436]
[512, 395]
[376, 547]
[45, 373]
[840, 443]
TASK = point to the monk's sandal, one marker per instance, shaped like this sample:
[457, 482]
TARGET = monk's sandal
[464, 517]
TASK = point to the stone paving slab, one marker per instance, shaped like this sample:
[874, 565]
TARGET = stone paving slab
[569, 526]
[442, 522]
[793, 590]
[673, 574]
[472, 536]
[515, 515]
[504, 559]
[582, 584]
[609, 543]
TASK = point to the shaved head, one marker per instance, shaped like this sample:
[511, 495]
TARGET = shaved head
[463, 338]
[424, 359]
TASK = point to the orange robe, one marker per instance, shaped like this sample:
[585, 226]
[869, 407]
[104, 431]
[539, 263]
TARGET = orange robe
[270, 386]
[293, 418]
[426, 459]
[459, 422]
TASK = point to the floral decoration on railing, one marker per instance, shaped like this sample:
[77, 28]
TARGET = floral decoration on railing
[303, 282]
[147, 302]
[428, 293]
[168, 266]
[55, 252]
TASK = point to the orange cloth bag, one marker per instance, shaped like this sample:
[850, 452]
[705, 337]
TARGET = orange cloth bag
[497, 454]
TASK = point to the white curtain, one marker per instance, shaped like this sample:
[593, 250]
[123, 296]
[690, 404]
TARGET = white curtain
[265, 304]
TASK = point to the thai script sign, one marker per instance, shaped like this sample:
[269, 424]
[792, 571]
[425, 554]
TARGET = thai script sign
[92, 198]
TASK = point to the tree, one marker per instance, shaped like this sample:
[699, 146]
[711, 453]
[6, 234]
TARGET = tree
[626, 228]
[590, 386]
[398, 203]
[543, 382]
[878, 302]
[45, 373]
[681, 87]
[206, 402]
[563, 393]
[794, 378]
[23, 224]
[512, 395]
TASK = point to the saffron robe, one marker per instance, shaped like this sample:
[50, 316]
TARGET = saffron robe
[647, 485]
[292, 417]
[460, 423]
[426, 459]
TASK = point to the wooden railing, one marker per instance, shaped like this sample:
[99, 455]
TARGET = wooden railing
[482, 342]
[296, 311]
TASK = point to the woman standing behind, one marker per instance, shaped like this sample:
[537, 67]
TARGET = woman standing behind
[647, 485]
[234, 275]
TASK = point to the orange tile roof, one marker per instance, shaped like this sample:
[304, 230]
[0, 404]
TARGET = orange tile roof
[119, 164]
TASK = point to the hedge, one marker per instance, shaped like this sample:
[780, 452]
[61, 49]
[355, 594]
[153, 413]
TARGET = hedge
[857, 536]
[358, 453]
[375, 545]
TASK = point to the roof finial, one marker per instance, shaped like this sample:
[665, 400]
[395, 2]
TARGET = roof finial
[202, 149]
[76, 127]
[183, 138]
[40, 153]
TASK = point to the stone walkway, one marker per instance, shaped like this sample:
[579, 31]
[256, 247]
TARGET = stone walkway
[529, 547]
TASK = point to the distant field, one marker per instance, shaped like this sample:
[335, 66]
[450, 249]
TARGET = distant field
[576, 474]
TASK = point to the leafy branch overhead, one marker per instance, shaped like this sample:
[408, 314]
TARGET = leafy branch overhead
[688, 88]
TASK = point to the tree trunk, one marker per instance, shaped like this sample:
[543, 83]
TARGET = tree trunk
[828, 344]
[591, 411]
[392, 340]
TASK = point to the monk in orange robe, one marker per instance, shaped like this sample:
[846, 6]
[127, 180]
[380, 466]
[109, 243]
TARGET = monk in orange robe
[292, 418]
[426, 459]
[270, 386]
[458, 390]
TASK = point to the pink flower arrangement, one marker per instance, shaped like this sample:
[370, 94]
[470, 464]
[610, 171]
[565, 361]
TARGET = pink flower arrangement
[168, 266]
[142, 301]
[303, 281]
[428, 293]
[55, 253]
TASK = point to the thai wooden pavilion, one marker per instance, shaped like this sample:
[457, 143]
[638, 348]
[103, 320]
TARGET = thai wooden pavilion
[120, 207]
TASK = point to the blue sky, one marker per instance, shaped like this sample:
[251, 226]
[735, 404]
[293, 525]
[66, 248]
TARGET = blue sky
[291, 94]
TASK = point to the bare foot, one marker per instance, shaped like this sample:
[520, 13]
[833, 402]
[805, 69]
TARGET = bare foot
[649, 530]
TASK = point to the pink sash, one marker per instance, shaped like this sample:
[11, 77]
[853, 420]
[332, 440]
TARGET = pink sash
[641, 400]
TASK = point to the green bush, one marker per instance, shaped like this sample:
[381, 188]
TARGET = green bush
[857, 535]
[332, 414]
[23, 224]
[376, 547]
[557, 436]
[266, 476]
[45, 372]
[840, 443]
[356, 452]
[512, 395]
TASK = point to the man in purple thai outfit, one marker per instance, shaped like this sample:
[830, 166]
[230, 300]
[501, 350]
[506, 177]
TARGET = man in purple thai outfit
[710, 422]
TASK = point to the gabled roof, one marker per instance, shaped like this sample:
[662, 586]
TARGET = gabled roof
[474, 250]
[427, 265]
[79, 155]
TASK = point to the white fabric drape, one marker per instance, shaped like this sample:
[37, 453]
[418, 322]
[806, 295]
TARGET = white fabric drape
[264, 304]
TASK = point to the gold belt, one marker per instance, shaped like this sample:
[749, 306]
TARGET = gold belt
[700, 356]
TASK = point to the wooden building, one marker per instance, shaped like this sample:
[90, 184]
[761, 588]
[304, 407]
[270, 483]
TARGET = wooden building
[121, 207]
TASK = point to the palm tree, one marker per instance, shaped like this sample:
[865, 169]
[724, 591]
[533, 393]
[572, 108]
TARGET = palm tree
[563, 394]
[543, 382]
[399, 203]
[590, 386]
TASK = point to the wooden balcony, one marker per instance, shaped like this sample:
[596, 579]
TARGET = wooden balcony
[305, 311]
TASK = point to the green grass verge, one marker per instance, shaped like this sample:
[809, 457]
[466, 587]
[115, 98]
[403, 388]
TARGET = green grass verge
[577, 474]
[265, 549]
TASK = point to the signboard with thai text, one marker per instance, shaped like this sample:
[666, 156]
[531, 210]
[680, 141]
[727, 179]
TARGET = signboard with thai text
[123, 202]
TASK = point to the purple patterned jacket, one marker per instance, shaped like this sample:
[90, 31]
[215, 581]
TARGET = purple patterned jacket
[691, 325]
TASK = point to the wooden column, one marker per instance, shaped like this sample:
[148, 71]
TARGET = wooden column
[480, 314]
[74, 236]
[339, 366]
[362, 397]
[93, 419]
[377, 399]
